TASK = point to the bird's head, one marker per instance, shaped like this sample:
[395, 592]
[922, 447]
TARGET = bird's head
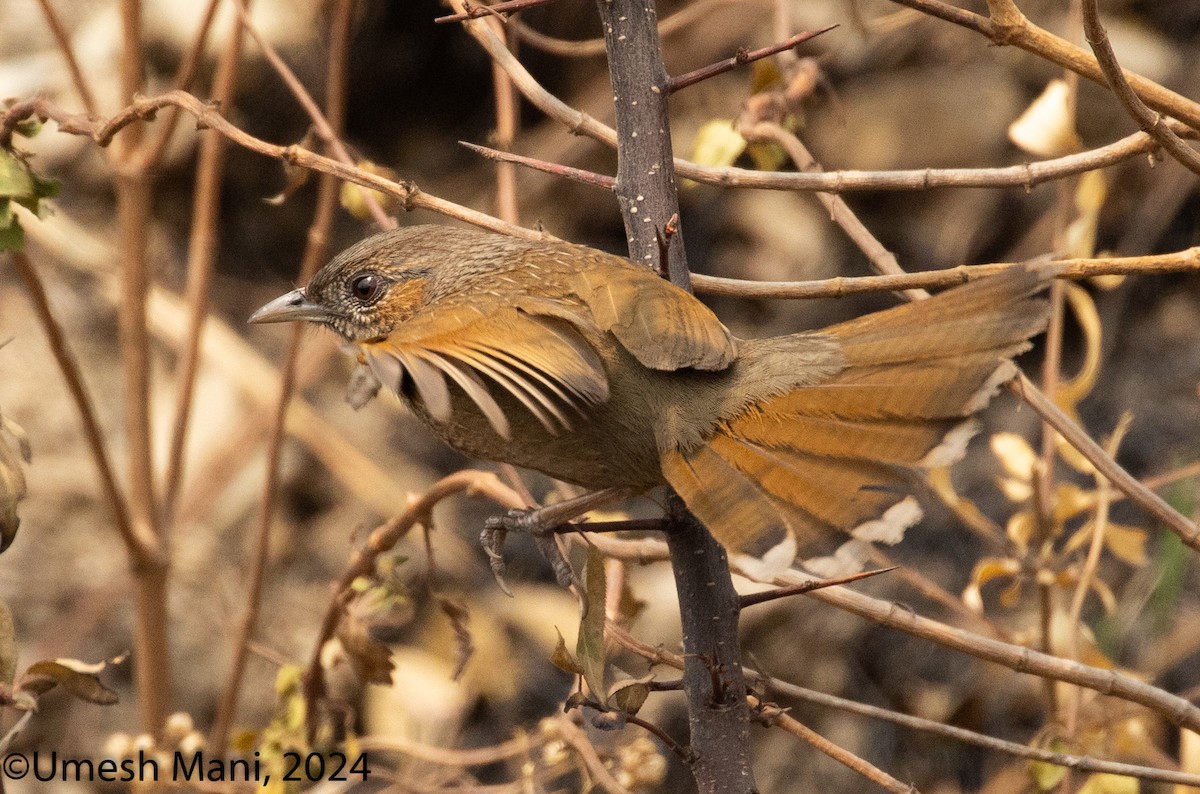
[364, 293]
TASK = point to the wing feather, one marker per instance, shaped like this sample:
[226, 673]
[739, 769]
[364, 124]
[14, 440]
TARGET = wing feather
[544, 363]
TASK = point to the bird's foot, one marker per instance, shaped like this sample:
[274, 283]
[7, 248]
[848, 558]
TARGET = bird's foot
[543, 524]
[530, 522]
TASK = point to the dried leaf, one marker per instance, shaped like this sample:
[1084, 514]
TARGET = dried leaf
[589, 647]
[1189, 751]
[464, 648]
[1126, 543]
[562, 658]
[371, 660]
[629, 694]
[12, 478]
[1079, 238]
[1047, 127]
[718, 143]
[296, 176]
[1020, 528]
[1071, 392]
[1104, 783]
[81, 679]
[8, 648]
[985, 571]
[1046, 776]
[354, 197]
[1015, 454]
[1070, 501]
[1016, 491]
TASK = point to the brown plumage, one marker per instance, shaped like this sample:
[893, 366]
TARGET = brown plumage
[584, 366]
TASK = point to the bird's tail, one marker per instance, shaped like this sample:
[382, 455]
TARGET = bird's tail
[794, 475]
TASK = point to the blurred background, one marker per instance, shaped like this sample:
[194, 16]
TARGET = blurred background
[896, 90]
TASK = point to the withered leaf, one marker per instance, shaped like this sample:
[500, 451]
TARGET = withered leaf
[589, 647]
[562, 658]
[628, 695]
[81, 679]
[8, 647]
[371, 660]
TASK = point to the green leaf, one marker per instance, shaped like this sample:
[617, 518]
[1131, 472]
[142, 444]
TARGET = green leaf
[21, 184]
[589, 648]
[29, 127]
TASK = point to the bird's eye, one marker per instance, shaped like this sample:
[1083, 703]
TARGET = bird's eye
[367, 287]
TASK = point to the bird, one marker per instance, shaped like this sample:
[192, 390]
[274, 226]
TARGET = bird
[794, 449]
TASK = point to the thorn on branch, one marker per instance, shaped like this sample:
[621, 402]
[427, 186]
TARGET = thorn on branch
[743, 57]
[577, 174]
[754, 599]
[664, 235]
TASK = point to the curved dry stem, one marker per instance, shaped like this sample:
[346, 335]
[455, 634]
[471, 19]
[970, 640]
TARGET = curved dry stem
[208, 117]
[381, 540]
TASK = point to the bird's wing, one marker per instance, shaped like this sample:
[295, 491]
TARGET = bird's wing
[544, 362]
[663, 326]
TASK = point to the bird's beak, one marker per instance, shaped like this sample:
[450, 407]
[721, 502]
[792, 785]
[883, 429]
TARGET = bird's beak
[291, 307]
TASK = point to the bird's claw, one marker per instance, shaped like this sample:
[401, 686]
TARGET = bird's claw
[496, 529]
[492, 540]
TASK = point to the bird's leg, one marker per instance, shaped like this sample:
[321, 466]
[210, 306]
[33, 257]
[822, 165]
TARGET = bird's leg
[543, 524]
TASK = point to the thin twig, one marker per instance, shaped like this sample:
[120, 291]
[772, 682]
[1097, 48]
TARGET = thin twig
[840, 286]
[1091, 563]
[154, 151]
[742, 58]
[576, 174]
[578, 740]
[883, 260]
[207, 116]
[657, 655]
[203, 243]
[316, 251]
[381, 540]
[775, 716]
[325, 130]
[1150, 122]
[1081, 763]
[1154, 504]
[496, 10]
[836, 182]
[897, 616]
[63, 39]
[140, 544]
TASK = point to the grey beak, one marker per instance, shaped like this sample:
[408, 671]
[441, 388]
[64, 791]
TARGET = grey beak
[289, 308]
